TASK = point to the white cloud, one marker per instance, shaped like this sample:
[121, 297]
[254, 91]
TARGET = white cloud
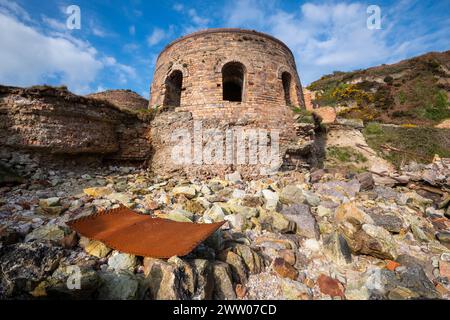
[178, 7]
[28, 57]
[156, 37]
[123, 71]
[14, 9]
[98, 32]
[196, 19]
[323, 37]
[132, 30]
[159, 35]
[54, 24]
[330, 35]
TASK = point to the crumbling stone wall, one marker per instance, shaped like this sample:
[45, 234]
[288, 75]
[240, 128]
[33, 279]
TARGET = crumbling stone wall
[55, 121]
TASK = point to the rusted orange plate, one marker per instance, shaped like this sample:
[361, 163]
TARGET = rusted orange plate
[127, 231]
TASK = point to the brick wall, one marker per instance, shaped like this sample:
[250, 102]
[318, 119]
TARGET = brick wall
[201, 56]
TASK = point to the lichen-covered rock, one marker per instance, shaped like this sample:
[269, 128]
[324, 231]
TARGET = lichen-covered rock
[24, 265]
[97, 249]
[204, 285]
[187, 191]
[70, 282]
[291, 194]
[49, 232]
[223, 284]
[98, 191]
[238, 268]
[275, 220]
[122, 261]
[337, 249]
[165, 280]
[375, 241]
[351, 213]
[305, 222]
[122, 285]
[252, 259]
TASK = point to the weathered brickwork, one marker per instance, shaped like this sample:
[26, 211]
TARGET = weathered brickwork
[201, 57]
[228, 79]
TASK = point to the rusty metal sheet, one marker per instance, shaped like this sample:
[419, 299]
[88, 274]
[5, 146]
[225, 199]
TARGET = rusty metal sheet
[127, 231]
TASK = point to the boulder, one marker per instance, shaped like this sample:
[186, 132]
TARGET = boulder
[121, 285]
[215, 213]
[188, 277]
[24, 265]
[97, 192]
[252, 260]
[122, 261]
[271, 199]
[330, 286]
[292, 194]
[238, 268]
[275, 220]
[71, 282]
[306, 225]
[284, 269]
[97, 249]
[375, 241]
[49, 232]
[366, 181]
[389, 222]
[351, 213]
[165, 280]
[187, 191]
[223, 284]
[404, 283]
[204, 285]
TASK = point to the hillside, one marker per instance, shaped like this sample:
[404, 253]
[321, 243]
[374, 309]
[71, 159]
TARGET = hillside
[413, 91]
[123, 99]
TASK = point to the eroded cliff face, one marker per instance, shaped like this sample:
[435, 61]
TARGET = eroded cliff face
[56, 122]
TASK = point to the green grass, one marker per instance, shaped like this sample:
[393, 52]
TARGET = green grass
[305, 116]
[421, 143]
[345, 155]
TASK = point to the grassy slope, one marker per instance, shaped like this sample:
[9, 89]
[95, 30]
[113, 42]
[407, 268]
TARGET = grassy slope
[421, 143]
[412, 91]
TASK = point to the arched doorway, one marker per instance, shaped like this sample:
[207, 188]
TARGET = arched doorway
[173, 85]
[286, 79]
[233, 81]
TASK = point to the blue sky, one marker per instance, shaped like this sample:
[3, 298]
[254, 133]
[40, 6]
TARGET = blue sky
[119, 41]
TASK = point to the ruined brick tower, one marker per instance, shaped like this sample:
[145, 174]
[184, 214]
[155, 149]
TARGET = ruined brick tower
[228, 79]
[230, 72]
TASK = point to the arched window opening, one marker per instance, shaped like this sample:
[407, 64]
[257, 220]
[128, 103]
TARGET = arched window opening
[233, 81]
[173, 84]
[286, 79]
